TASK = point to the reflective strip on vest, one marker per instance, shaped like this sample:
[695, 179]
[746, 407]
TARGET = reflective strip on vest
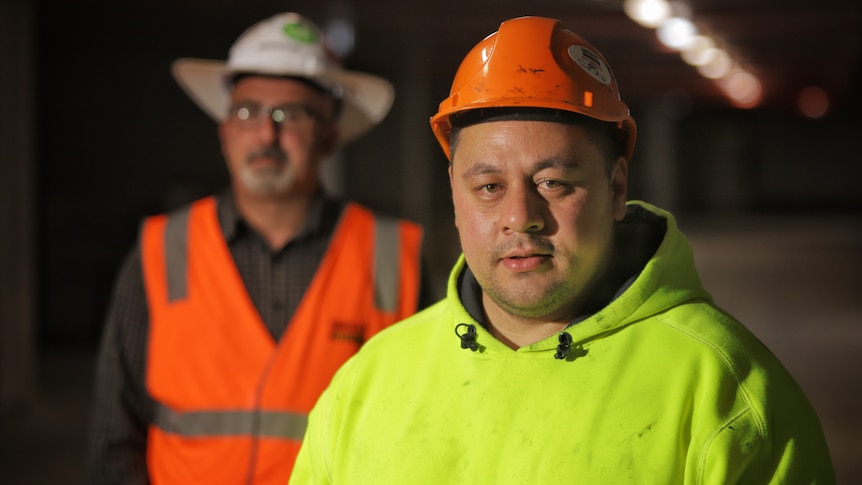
[176, 247]
[271, 424]
[386, 249]
[386, 263]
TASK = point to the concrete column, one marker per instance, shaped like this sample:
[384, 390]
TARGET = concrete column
[728, 159]
[656, 156]
[418, 143]
[17, 206]
[425, 192]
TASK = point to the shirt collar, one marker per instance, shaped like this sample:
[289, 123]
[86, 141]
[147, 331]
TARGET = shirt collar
[233, 223]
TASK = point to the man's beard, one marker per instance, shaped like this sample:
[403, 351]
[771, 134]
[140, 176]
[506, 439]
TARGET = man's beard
[268, 180]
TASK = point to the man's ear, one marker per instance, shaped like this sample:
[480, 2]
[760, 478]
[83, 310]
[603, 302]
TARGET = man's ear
[328, 141]
[221, 138]
[452, 189]
[619, 187]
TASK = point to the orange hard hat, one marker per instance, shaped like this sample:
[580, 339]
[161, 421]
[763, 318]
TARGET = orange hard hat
[535, 62]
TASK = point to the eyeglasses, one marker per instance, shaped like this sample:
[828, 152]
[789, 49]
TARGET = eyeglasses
[291, 116]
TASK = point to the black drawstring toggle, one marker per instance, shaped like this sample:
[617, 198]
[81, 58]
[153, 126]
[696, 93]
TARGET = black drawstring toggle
[564, 347]
[468, 338]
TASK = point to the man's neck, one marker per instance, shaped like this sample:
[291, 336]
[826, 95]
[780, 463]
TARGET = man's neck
[276, 219]
[515, 331]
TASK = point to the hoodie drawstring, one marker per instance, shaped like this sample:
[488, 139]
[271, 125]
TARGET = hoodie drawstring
[468, 338]
[565, 346]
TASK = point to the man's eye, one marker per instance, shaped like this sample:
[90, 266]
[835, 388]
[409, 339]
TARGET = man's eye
[490, 188]
[551, 184]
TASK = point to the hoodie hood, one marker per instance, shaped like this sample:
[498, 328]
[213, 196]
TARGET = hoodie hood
[668, 279]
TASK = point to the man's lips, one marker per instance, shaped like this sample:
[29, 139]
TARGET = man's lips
[523, 262]
[524, 251]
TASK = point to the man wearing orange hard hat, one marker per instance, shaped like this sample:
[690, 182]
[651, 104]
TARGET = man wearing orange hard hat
[576, 343]
[231, 314]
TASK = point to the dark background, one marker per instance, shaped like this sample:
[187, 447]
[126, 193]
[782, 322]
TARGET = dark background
[118, 139]
[770, 199]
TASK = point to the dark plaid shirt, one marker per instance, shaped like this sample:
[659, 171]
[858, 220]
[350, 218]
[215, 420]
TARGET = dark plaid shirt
[276, 281]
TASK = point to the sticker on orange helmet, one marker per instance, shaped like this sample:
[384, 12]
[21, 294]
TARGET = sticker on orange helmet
[591, 63]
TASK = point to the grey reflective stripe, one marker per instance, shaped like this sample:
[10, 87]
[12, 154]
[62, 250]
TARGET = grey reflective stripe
[176, 253]
[386, 249]
[270, 424]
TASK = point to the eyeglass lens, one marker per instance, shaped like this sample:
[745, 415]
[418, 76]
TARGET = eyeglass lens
[252, 114]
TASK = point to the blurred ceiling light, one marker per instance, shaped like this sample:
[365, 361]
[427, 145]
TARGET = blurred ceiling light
[339, 29]
[648, 13]
[743, 88]
[341, 36]
[813, 102]
[700, 51]
[681, 8]
[677, 33]
[717, 67]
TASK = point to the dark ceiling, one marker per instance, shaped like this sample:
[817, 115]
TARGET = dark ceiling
[112, 125]
[788, 44]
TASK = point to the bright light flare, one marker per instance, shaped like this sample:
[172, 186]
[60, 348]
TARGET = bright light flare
[700, 51]
[743, 89]
[718, 66]
[648, 13]
[677, 33]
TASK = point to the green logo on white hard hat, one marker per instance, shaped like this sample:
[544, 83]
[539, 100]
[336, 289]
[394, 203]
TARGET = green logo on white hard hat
[300, 32]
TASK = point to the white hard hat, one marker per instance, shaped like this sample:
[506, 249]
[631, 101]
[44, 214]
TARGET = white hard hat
[287, 44]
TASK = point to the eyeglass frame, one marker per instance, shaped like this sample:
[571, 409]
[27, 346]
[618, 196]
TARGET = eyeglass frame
[256, 113]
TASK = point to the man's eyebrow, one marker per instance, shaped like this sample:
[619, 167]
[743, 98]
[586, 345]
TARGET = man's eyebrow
[561, 163]
[480, 168]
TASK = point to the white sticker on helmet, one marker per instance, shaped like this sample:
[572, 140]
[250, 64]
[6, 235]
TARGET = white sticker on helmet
[591, 63]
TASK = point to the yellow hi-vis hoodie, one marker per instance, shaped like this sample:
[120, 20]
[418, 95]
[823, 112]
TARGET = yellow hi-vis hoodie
[659, 387]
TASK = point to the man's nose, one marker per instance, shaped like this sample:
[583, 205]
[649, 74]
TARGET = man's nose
[523, 210]
[268, 130]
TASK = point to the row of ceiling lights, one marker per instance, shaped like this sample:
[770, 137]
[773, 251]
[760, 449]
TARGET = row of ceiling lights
[675, 30]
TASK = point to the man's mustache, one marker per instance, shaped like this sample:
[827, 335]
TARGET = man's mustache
[531, 243]
[268, 152]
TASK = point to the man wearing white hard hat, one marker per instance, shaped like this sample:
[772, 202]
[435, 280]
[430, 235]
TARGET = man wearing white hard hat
[231, 314]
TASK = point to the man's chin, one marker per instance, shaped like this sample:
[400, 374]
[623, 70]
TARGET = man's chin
[268, 184]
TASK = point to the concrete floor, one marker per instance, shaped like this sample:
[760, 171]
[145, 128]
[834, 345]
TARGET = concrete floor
[794, 281]
[45, 444]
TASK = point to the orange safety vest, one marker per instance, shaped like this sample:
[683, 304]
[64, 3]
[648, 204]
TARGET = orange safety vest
[232, 404]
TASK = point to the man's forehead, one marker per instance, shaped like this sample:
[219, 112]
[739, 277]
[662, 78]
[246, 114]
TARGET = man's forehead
[498, 146]
[250, 83]
[482, 167]
[489, 128]
[506, 132]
